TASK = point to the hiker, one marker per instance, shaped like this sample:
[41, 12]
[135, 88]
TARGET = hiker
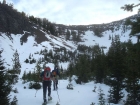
[55, 75]
[46, 77]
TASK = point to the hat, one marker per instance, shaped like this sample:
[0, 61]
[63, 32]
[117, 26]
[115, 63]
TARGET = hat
[47, 68]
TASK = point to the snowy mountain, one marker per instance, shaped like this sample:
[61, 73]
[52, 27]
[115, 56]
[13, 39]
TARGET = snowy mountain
[82, 94]
[10, 43]
[34, 39]
[29, 37]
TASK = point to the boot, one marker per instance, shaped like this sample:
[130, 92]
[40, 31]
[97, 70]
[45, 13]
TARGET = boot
[45, 101]
[49, 98]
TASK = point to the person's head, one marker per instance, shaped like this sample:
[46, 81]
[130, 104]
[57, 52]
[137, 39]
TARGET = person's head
[47, 68]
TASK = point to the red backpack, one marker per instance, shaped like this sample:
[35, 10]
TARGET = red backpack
[47, 74]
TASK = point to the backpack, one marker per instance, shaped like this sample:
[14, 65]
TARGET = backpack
[47, 74]
[55, 71]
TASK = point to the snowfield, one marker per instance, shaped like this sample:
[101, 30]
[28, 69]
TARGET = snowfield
[80, 95]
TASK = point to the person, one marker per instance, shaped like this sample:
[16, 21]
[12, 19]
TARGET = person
[46, 77]
[55, 75]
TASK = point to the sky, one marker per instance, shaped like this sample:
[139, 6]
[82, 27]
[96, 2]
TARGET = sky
[75, 12]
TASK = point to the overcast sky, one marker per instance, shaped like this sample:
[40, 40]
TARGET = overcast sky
[75, 12]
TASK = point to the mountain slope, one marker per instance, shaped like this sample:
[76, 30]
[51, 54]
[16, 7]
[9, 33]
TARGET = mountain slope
[13, 21]
[34, 37]
[9, 45]
[33, 42]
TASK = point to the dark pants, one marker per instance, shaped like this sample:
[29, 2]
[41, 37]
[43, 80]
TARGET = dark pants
[46, 85]
[55, 83]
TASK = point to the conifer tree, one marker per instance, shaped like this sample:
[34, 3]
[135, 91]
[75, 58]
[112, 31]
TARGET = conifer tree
[67, 35]
[70, 70]
[99, 62]
[52, 29]
[15, 101]
[110, 96]
[101, 97]
[16, 61]
[116, 69]
[133, 74]
[29, 76]
[5, 87]
[38, 70]
[135, 24]
[27, 61]
[16, 67]
[82, 68]
[24, 77]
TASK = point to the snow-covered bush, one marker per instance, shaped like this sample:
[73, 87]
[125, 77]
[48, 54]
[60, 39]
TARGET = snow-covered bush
[70, 86]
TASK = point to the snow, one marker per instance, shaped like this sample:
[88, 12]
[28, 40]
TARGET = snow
[29, 47]
[81, 94]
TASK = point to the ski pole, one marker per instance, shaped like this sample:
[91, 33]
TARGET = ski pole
[58, 95]
[59, 83]
[35, 93]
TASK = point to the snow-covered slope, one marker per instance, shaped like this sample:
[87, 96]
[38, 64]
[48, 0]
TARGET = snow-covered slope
[10, 44]
[82, 94]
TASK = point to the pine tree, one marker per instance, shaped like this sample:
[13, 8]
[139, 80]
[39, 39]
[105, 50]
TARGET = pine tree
[82, 69]
[24, 77]
[101, 97]
[52, 29]
[133, 74]
[27, 61]
[5, 87]
[16, 67]
[45, 21]
[29, 76]
[35, 77]
[110, 96]
[135, 29]
[99, 64]
[67, 35]
[37, 71]
[70, 70]
[135, 24]
[62, 72]
[15, 101]
[116, 69]
[16, 62]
